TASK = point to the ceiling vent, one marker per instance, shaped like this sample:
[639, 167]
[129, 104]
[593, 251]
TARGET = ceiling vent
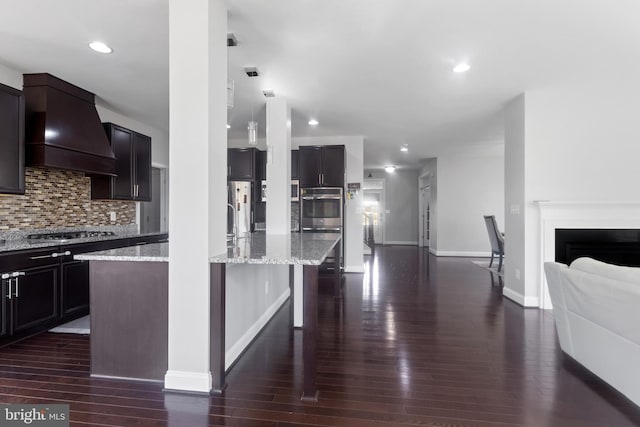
[231, 40]
[252, 71]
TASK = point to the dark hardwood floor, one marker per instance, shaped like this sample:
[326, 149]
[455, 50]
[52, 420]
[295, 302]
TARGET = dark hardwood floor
[418, 341]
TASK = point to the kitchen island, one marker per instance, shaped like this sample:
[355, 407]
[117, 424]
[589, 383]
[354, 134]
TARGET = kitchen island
[306, 249]
[129, 312]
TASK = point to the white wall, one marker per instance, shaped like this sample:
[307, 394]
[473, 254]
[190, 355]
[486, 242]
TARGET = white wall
[401, 205]
[514, 166]
[254, 294]
[470, 185]
[580, 144]
[10, 77]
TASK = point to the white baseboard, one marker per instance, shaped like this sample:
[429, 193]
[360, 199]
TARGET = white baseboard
[520, 299]
[433, 251]
[236, 350]
[353, 269]
[188, 381]
[401, 242]
[474, 254]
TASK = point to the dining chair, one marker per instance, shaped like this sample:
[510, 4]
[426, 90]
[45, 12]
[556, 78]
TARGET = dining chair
[496, 238]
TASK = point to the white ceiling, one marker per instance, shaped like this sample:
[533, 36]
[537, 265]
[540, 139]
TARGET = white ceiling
[381, 68]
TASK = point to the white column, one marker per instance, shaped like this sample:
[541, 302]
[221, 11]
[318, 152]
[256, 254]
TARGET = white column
[278, 166]
[197, 182]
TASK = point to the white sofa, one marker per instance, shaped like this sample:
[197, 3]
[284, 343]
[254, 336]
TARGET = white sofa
[596, 307]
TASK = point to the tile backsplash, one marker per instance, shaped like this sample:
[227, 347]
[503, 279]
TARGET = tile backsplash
[59, 198]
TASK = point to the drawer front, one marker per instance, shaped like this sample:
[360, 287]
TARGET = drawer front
[30, 258]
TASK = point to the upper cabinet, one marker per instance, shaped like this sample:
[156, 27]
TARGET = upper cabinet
[133, 167]
[11, 140]
[321, 166]
[243, 164]
[294, 164]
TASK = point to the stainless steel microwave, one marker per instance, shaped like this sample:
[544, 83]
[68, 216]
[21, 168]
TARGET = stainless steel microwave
[295, 190]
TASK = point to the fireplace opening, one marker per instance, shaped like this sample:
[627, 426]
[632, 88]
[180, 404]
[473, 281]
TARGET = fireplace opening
[614, 246]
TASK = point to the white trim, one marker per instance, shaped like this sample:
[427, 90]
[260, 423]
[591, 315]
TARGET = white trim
[475, 254]
[188, 381]
[353, 269]
[433, 251]
[403, 242]
[236, 350]
[518, 298]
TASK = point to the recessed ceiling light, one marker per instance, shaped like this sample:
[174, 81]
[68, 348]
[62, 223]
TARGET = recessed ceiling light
[404, 148]
[228, 126]
[390, 169]
[100, 47]
[462, 67]
[313, 122]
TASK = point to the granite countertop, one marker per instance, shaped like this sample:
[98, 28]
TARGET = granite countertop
[154, 252]
[17, 244]
[262, 248]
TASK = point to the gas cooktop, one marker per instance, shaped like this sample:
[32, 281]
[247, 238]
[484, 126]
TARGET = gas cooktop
[67, 235]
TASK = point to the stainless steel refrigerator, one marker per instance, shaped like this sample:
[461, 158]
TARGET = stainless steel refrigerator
[241, 215]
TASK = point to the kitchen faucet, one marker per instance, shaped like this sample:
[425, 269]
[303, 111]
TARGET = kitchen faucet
[234, 232]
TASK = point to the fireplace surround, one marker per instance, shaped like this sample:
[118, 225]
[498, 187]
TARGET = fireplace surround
[618, 219]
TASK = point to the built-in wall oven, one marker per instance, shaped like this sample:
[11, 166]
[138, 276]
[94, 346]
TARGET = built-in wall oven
[321, 209]
[321, 212]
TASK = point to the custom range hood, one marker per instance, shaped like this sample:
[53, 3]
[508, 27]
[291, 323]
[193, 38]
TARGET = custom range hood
[63, 129]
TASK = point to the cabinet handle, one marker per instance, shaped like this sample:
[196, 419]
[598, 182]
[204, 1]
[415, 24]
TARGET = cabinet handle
[141, 243]
[137, 190]
[9, 293]
[17, 287]
[53, 255]
[322, 178]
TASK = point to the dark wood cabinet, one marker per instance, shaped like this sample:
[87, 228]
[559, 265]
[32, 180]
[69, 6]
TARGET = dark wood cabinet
[310, 163]
[321, 166]
[133, 167]
[142, 166]
[333, 166]
[35, 296]
[4, 319]
[74, 292]
[11, 140]
[294, 164]
[242, 164]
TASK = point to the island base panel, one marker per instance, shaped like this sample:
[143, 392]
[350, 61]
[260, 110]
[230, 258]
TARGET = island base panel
[129, 315]
[310, 332]
[217, 331]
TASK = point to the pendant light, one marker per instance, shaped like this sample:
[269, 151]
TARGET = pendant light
[252, 127]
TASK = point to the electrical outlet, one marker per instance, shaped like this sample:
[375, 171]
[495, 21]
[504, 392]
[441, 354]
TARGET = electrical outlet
[517, 273]
[112, 216]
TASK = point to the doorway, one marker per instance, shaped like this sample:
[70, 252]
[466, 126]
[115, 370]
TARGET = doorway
[372, 203]
[153, 218]
[425, 217]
